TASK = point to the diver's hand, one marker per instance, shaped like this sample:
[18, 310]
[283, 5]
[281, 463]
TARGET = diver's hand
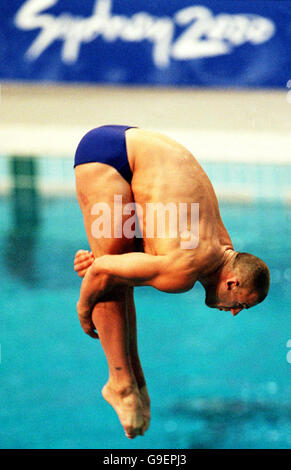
[85, 319]
[83, 260]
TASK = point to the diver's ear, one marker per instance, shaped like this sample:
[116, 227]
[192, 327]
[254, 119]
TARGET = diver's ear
[231, 283]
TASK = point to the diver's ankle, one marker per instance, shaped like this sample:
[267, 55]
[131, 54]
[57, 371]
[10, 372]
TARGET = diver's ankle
[124, 388]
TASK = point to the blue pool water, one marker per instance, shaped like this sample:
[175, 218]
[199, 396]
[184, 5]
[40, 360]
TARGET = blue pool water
[215, 381]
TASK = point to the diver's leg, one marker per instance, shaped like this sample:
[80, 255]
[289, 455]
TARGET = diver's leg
[83, 261]
[121, 391]
[135, 360]
[95, 183]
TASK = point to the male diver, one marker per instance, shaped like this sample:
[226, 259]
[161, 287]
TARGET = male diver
[131, 165]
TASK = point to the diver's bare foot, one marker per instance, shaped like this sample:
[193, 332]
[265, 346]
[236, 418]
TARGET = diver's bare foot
[146, 407]
[128, 406]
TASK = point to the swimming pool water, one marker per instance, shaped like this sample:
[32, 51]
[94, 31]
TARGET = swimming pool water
[215, 381]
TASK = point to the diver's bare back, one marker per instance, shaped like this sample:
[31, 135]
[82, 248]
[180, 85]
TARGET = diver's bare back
[165, 171]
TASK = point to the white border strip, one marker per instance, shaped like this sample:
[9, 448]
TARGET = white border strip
[236, 146]
[207, 145]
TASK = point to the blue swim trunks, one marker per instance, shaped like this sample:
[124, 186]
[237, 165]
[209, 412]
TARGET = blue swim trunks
[105, 144]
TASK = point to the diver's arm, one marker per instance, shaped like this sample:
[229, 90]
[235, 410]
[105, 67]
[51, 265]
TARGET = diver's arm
[129, 269]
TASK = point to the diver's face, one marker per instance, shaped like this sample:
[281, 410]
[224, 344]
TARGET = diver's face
[229, 296]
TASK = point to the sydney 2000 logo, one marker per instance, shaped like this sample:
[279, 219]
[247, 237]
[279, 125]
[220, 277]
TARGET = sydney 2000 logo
[192, 32]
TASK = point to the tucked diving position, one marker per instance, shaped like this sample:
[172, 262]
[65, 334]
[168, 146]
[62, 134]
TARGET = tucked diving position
[117, 169]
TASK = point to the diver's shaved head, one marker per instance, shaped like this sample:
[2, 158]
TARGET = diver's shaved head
[253, 272]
